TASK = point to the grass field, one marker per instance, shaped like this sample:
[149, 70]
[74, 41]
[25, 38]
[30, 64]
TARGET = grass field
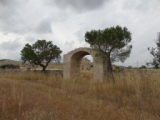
[37, 96]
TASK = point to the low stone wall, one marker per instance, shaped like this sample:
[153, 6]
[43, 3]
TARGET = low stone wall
[136, 71]
[60, 72]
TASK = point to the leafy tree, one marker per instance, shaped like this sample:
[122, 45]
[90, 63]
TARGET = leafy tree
[113, 44]
[41, 53]
[155, 52]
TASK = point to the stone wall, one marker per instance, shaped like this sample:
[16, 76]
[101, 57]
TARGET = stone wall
[51, 66]
[55, 66]
[86, 65]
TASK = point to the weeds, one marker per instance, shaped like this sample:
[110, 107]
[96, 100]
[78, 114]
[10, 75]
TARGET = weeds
[37, 96]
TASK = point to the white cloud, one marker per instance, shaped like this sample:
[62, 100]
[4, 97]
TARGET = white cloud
[65, 23]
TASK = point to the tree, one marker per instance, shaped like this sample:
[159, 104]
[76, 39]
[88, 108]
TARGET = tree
[143, 67]
[41, 53]
[155, 52]
[113, 44]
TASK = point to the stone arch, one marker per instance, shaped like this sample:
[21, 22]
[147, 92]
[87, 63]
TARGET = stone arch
[72, 60]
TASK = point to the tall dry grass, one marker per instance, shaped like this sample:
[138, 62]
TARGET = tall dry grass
[36, 96]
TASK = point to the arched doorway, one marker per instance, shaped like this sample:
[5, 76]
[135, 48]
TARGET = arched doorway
[76, 62]
[72, 60]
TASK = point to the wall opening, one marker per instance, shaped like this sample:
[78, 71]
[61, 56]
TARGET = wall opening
[86, 67]
[81, 64]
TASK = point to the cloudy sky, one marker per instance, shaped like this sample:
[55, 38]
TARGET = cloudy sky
[65, 22]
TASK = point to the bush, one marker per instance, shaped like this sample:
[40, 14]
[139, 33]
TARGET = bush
[143, 67]
[10, 66]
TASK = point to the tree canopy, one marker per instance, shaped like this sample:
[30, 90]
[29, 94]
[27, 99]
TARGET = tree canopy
[155, 52]
[113, 43]
[41, 53]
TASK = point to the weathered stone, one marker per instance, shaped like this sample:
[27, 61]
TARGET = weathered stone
[72, 61]
[86, 65]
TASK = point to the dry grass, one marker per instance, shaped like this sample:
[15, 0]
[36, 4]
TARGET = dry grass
[36, 96]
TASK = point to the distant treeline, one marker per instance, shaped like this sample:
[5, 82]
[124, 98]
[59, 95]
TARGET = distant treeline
[9, 66]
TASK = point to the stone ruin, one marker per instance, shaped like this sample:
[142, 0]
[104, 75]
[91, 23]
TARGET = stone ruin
[86, 65]
[72, 62]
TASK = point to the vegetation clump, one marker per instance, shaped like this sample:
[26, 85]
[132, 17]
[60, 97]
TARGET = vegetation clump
[9, 66]
[155, 52]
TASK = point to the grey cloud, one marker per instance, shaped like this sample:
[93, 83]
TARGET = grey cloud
[81, 33]
[9, 19]
[30, 39]
[2, 2]
[69, 43]
[141, 5]
[20, 17]
[5, 2]
[10, 45]
[44, 26]
[7, 11]
[80, 5]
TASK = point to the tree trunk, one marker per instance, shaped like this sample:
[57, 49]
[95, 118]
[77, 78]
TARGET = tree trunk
[110, 71]
[43, 69]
